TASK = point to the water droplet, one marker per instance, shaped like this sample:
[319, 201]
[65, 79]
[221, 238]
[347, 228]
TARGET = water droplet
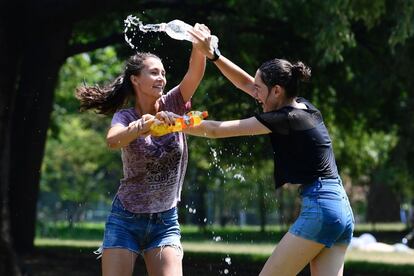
[217, 239]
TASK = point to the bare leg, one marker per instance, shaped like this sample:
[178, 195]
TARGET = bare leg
[118, 262]
[290, 256]
[164, 261]
[329, 262]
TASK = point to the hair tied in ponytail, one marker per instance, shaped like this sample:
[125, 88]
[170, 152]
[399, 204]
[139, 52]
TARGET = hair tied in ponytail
[300, 71]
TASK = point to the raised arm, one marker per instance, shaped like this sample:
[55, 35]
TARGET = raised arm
[217, 129]
[240, 78]
[195, 73]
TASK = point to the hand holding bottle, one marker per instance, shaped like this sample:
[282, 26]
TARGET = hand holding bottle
[167, 122]
[142, 125]
[180, 30]
[166, 117]
[203, 40]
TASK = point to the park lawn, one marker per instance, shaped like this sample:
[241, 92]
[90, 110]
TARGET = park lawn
[259, 250]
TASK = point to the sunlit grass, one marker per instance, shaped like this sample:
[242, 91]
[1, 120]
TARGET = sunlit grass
[49, 242]
[380, 257]
[368, 227]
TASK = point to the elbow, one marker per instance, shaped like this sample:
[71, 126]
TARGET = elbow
[113, 144]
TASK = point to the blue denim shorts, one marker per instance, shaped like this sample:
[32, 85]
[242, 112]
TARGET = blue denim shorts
[326, 216]
[141, 232]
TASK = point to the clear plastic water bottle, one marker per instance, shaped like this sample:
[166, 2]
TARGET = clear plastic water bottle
[178, 29]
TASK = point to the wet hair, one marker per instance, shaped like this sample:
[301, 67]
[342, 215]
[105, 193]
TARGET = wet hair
[108, 99]
[282, 72]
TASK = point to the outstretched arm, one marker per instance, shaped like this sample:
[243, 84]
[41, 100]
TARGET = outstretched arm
[195, 73]
[240, 78]
[217, 129]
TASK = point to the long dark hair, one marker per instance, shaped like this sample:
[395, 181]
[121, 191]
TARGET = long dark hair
[108, 99]
[282, 72]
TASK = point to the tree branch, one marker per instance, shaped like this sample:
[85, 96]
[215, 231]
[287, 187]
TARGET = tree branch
[115, 38]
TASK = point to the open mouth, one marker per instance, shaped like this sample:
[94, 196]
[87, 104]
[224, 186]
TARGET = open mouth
[158, 87]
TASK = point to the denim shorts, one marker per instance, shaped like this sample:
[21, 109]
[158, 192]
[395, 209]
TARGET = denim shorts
[326, 216]
[141, 232]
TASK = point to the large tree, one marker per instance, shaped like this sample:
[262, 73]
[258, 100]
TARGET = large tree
[35, 39]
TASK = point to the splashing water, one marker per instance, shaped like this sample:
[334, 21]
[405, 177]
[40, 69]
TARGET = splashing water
[232, 168]
[240, 177]
[176, 29]
[133, 24]
[216, 160]
[190, 209]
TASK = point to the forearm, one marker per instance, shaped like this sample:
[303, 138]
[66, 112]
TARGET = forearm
[197, 66]
[205, 129]
[194, 75]
[120, 136]
[216, 129]
[240, 78]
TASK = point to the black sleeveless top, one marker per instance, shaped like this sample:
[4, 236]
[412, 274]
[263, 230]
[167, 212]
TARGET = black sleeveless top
[302, 148]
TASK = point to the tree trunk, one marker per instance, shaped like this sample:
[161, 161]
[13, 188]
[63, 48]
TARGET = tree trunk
[201, 203]
[388, 212]
[43, 55]
[262, 207]
[8, 61]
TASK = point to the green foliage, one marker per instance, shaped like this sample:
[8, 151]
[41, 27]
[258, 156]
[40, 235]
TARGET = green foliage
[78, 168]
[361, 55]
[404, 22]
[360, 151]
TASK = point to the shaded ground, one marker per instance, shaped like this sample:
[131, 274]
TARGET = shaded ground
[82, 262]
[48, 262]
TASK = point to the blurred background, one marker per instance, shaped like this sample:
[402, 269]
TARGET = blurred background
[58, 178]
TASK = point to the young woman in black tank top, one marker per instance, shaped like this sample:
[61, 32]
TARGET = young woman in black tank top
[303, 155]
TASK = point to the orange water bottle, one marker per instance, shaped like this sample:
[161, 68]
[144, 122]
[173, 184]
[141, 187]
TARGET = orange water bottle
[192, 118]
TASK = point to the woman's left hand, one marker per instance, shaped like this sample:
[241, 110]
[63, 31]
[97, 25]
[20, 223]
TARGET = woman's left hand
[167, 117]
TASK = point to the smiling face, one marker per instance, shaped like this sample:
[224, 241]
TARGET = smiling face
[270, 99]
[263, 95]
[150, 82]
